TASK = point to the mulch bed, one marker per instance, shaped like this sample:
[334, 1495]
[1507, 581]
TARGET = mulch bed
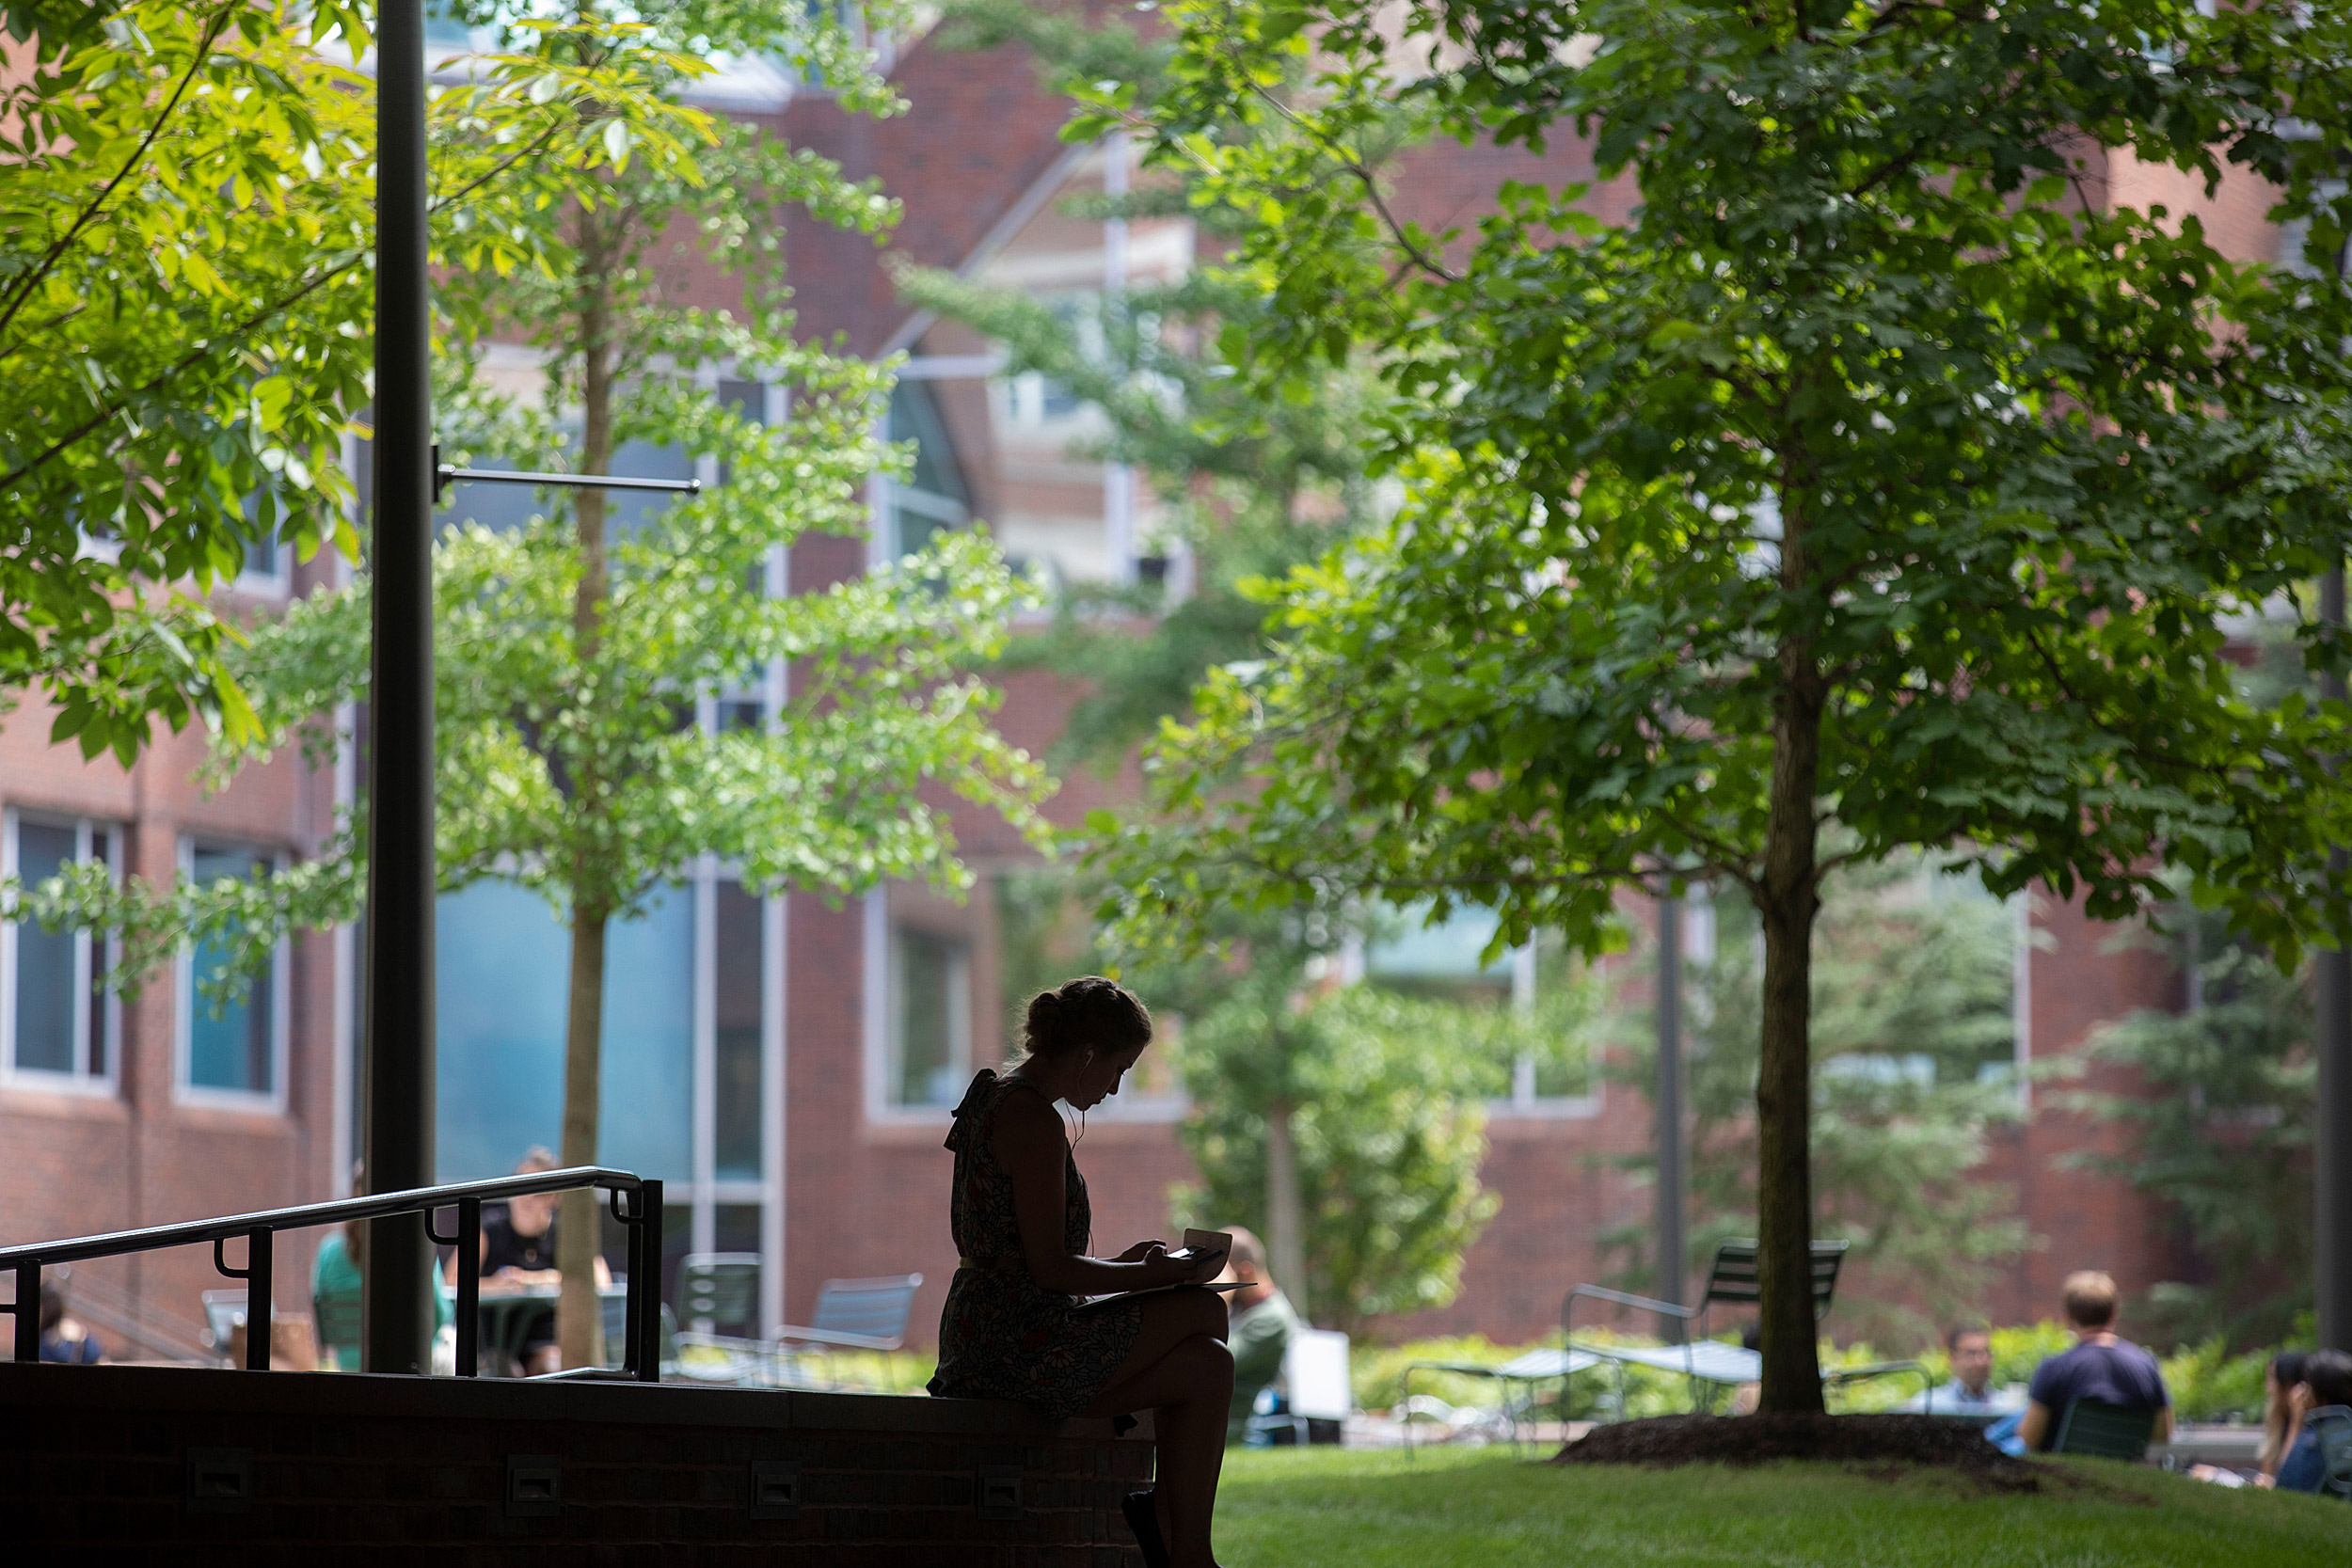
[1666, 1441]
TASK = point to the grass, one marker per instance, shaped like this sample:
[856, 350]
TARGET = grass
[1331, 1507]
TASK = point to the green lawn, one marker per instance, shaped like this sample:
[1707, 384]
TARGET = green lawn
[1483, 1509]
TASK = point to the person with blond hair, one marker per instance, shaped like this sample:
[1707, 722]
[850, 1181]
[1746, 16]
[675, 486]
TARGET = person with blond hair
[1264, 1324]
[2100, 1365]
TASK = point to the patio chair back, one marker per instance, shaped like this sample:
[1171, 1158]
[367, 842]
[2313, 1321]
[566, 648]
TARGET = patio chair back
[612, 1306]
[716, 1287]
[2331, 1424]
[876, 1309]
[337, 1315]
[1734, 1278]
[2105, 1431]
[224, 1311]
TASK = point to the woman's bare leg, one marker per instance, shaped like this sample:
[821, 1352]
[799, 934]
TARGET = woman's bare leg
[1182, 1373]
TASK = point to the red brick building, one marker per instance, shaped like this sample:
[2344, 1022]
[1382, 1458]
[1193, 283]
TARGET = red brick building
[786, 1065]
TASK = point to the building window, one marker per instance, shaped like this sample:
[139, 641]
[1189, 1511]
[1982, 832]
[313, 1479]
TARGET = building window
[739, 946]
[232, 1042]
[931, 1017]
[61, 1023]
[932, 499]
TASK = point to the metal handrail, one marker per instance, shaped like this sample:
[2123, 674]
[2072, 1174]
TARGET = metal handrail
[641, 1218]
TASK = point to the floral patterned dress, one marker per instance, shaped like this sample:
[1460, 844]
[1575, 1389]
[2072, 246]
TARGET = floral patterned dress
[1002, 1335]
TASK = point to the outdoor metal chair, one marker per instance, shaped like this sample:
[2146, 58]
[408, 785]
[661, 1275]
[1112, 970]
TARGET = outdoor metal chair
[1710, 1362]
[338, 1318]
[223, 1314]
[716, 1287]
[2104, 1431]
[852, 1314]
[1536, 1367]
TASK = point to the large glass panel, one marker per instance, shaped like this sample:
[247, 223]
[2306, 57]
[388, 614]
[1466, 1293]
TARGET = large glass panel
[230, 1036]
[930, 1019]
[503, 970]
[740, 922]
[44, 959]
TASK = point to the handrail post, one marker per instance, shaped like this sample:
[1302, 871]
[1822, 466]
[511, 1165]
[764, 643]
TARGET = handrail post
[469, 1262]
[649, 1268]
[27, 1311]
[632, 1218]
[258, 1313]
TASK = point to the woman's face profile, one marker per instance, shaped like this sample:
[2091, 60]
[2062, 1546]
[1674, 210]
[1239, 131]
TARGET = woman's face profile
[1099, 1079]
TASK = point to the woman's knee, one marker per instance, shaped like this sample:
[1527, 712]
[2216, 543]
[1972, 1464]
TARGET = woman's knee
[1206, 1314]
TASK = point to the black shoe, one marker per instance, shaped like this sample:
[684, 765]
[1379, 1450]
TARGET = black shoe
[1144, 1521]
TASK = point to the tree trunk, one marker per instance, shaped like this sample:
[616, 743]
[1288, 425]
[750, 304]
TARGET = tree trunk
[1285, 1251]
[578, 1315]
[1783, 1080]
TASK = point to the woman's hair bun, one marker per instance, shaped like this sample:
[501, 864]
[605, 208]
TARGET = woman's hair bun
[1088, 1011]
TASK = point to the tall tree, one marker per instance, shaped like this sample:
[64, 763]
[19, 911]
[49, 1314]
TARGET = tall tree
[185, 317]
[570, 652]
[1883, 469]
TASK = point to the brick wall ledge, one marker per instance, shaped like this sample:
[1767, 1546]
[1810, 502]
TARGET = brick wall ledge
[187, 1464]
[224, 1391]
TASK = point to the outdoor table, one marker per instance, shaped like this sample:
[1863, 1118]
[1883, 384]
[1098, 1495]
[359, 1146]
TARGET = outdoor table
[506, 1317]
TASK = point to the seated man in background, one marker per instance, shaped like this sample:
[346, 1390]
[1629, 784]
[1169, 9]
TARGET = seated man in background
[1970, 1392]
[1264, 1324]
[63, 1338]
[2327, 1381]
[2102, 1366]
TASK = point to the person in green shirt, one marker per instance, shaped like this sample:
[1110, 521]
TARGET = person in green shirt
[1264, 1324]
[335, 1283]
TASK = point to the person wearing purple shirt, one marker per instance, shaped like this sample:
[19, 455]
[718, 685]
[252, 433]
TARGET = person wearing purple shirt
[2100, 1365]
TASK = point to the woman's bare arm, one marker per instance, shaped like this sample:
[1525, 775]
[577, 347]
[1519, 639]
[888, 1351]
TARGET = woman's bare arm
[1030, 1146]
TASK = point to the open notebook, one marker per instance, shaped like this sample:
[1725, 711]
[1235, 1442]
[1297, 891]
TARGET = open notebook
[1204, 1244]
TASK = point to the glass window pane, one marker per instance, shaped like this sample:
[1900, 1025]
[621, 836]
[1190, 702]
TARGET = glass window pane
[740, 922]
[503, 962]
[928, 1020]
[44, 959]
[228, 1036]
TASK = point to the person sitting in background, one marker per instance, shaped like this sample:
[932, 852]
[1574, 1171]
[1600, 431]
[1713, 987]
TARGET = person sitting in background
[338, 1278]
[1970, 1392]
[2326, 1381]
[2281, 1420]
[518, 1254]
[1263, 1325]
[63, 1340]
[2102, 1367]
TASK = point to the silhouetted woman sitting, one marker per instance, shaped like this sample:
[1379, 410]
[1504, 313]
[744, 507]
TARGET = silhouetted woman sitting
[1011, 1329]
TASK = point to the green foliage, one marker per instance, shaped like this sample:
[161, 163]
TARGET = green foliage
[1251, 485]
[1388, 1131]
[1912, 1040]
[185, 315]
[569, 658]
[2217, 1107]
[1865, 478]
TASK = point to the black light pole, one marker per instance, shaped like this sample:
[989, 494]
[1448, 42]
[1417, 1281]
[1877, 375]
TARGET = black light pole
[398, 1039]
[1670, 1242]
[2332, 1209]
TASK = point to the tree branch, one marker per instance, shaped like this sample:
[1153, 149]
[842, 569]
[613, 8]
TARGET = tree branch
[32, 279]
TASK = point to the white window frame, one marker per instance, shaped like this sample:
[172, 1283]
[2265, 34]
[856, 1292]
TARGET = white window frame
[103, 1086]
[183, 1009]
